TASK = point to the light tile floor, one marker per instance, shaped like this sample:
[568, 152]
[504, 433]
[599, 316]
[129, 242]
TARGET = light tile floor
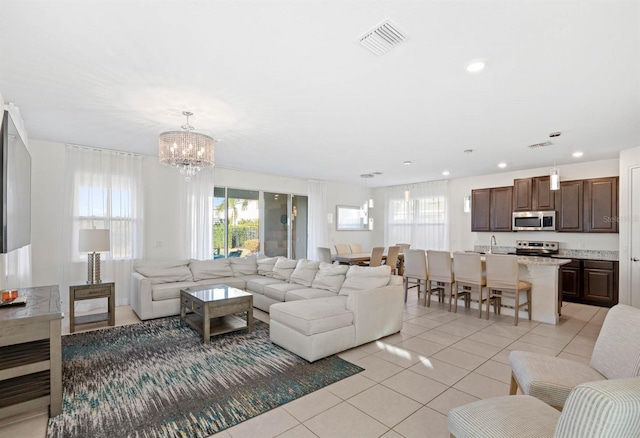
[438, 361]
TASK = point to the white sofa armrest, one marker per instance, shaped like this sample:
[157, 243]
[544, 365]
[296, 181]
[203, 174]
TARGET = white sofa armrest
[376, 312]
[141, 298]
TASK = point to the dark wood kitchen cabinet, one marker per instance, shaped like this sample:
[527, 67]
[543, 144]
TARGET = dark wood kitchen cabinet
[570, 202]
[480, 210]
[501, 208]
[491, 209]
[590, 282]
[601, 205]
[533, 194]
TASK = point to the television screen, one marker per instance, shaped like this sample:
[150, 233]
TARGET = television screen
[16, 188]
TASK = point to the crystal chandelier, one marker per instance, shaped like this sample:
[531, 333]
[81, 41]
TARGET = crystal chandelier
[188, 151]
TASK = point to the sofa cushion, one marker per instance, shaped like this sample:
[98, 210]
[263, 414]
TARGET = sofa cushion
[363, 278]
[278, 291]
[165, 271]
[305, 272]
[310, 317]
[283, 268]
[266, 264]
[205, 269]
[169, 291]
[257, 284]
[237, 282]
[307, 294]
[244, 265]
[330, 277]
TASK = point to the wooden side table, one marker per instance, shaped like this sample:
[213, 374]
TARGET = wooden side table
[90, 292]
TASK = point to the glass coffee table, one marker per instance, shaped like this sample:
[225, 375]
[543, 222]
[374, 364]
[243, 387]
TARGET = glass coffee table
[216, 309]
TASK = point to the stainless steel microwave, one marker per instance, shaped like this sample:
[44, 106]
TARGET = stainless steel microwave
[534, 221]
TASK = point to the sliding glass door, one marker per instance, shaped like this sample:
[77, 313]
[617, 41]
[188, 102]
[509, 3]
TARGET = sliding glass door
[236, 224]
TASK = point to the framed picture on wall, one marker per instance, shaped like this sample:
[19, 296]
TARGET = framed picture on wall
[350, 218]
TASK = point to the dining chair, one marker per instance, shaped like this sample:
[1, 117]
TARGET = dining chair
[342, 248]
[415, 271]
[503, 282]
[440, 272]
[468, 273]
[324, 255]
[616, 355]
[602, 409]
[355, 248]
[376, 256]
[392, 258]
[403, 247]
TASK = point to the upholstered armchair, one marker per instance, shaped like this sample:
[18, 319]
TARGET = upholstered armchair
[616, 355]
[602, 409]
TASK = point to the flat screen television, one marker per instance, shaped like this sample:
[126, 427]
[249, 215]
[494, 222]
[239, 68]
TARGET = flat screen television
[15, 188]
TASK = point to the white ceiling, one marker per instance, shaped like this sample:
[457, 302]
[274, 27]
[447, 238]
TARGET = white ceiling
[288, 90]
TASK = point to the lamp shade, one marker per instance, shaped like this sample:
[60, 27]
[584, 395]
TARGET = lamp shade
[93, 240]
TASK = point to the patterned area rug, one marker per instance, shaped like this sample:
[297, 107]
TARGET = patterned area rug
[157, 379]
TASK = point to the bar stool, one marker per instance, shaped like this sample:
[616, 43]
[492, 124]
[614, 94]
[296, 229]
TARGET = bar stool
[415, 270]
[468, 274]
[503, 282]
[392, 258]
[441, 272]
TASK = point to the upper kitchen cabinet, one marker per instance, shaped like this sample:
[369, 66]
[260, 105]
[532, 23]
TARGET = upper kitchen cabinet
[601, 205]
[480, 206]
[491, 209]
[501, 208]
[533, 194]
[570, 201]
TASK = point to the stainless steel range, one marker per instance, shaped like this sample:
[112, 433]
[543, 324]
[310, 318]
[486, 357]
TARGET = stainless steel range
[536, 248]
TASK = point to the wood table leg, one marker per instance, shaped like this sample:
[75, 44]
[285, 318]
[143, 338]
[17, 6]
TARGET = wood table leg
[206, 324]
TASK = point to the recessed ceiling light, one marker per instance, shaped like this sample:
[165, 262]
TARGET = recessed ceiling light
[577, 154]
[445, 173]
[502, 165]
[407, 163]
[476, 65]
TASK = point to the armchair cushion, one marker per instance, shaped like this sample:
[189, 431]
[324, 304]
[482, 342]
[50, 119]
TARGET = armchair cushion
[549, 378]
[503, 417]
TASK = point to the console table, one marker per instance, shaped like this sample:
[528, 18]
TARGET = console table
[90, 291]
[30, 353]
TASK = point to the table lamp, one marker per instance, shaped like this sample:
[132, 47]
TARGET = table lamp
[92, 241]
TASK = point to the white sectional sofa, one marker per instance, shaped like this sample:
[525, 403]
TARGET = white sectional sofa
[317, 309]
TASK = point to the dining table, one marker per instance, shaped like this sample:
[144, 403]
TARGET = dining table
[363, 257]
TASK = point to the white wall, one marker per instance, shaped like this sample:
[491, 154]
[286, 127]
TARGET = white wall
[628, 225]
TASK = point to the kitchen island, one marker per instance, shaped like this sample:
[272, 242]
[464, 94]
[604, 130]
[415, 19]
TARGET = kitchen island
[544, 275]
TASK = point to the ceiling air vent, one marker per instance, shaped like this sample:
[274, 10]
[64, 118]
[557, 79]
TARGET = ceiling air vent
[382, 38]
[540, 145]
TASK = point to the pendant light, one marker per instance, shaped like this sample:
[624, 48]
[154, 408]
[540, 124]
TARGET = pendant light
[554, 174]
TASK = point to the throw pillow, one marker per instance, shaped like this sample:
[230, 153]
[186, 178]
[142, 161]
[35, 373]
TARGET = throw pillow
[206, 269]
[363, 278]
[244, 265]
[305, 272]
[283, 268]
[330, 277]
[266, 264]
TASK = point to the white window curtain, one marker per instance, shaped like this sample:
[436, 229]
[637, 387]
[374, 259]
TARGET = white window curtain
[422, 220]
[317, 218]
[197, 210]
[103, 190]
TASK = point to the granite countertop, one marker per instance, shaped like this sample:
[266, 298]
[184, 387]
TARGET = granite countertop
[547, 261]
[586, 254]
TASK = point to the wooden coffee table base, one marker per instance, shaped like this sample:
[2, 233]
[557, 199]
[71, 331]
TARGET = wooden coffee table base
[211, 318]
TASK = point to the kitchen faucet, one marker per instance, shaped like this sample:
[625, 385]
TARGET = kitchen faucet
[492, 242]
